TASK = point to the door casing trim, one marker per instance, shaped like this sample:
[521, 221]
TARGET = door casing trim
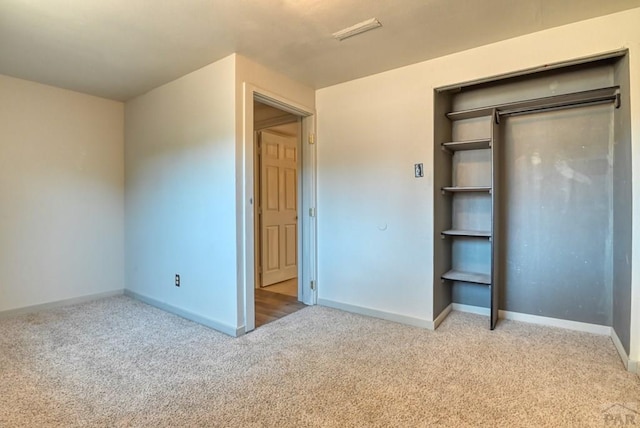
[307, 233]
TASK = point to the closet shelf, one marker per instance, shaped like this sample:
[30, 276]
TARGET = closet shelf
[468, 233]
[458, 189]
[484, 143]
[471, 113]
[471, 277]
[554, 102]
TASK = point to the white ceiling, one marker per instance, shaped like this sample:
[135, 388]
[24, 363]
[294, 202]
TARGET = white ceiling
[122, 48]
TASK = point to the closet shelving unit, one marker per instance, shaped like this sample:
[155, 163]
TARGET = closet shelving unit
[483, 189]
[490, 276]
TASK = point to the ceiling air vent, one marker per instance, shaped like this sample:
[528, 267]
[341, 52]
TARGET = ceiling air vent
[354, 30]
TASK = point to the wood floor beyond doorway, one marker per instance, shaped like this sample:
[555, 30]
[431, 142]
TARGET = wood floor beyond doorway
[273, 305]
[288, 287]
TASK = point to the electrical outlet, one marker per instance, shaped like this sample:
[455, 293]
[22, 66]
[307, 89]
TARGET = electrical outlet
[177, 280]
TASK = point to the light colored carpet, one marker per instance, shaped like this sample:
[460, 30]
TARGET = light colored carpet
[117, 362]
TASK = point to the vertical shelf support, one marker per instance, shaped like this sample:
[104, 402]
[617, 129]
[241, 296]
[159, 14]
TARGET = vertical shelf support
[495, 217]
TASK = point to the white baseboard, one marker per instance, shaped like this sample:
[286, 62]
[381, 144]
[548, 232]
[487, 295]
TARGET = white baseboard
[216, 325]
[61, 303]
[376, 313]
[602, 330]
[478, 310]
[436, 322]
[629, 364]
[618, 344]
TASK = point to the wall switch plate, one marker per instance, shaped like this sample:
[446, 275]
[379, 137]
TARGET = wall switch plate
[418, 170]
[177, 280]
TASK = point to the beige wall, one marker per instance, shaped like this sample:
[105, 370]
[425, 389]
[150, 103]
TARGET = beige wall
[184, 190]
[61, 194]
[180, 195]
[375, 220]
[249, 71]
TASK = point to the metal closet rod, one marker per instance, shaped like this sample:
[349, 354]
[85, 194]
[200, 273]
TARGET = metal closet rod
[555, 102]
[588, 99]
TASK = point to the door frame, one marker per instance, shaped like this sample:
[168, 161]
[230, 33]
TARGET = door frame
[307, 228]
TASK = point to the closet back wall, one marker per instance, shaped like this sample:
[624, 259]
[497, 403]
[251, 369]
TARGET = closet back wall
[558, 218]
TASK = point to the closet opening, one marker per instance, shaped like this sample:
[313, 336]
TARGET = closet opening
[539, 163]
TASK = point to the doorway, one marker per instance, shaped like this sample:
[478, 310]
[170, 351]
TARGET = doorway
[276, 174]
[282, 114]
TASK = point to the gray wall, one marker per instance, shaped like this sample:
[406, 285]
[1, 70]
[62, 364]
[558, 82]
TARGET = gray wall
[557, 223]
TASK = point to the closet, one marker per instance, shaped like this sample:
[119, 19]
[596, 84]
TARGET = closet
[532, 187]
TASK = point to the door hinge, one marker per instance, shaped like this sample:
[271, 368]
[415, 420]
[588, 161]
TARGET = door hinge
[312, 138]
[313, 284]
[312, 212]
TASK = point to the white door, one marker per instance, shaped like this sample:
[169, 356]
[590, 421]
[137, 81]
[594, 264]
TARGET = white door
[279, 225]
